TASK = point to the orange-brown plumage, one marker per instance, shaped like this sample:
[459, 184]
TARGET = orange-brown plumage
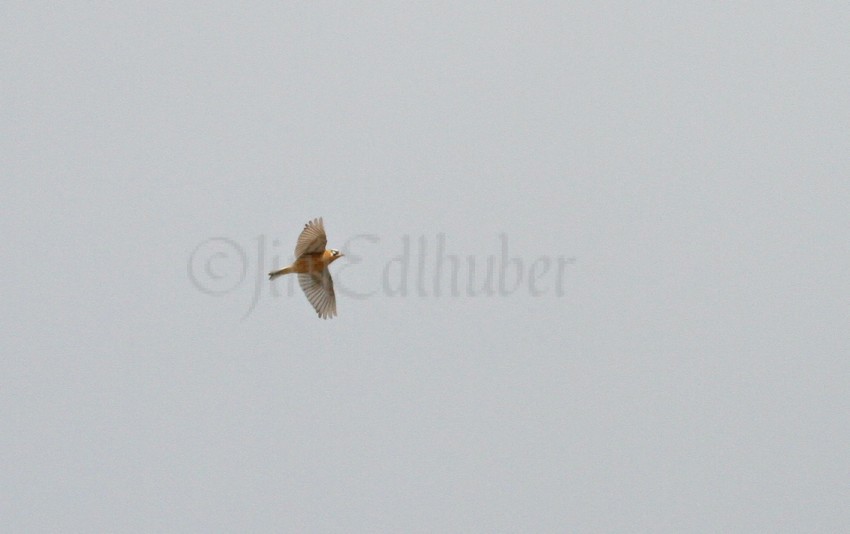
[311, 265]
[315, 262]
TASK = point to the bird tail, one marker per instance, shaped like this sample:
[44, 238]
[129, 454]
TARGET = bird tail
[280, 272]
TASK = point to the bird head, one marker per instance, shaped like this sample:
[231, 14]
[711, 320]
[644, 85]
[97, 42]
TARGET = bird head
[335, 255]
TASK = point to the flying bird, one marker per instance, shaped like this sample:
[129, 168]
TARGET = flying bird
[311, 264]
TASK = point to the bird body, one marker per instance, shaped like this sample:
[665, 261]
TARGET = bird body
[308, 263]
[311, 265]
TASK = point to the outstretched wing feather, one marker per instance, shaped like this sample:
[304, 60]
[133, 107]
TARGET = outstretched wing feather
[312, 238]
[319, 288]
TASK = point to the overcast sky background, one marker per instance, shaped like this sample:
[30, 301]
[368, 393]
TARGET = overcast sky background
[689, 163]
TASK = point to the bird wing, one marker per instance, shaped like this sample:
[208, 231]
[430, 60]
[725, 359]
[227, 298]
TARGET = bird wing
[312, 238]
[319, 288]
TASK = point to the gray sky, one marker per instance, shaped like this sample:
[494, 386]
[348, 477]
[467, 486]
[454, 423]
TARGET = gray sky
[684, 168]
